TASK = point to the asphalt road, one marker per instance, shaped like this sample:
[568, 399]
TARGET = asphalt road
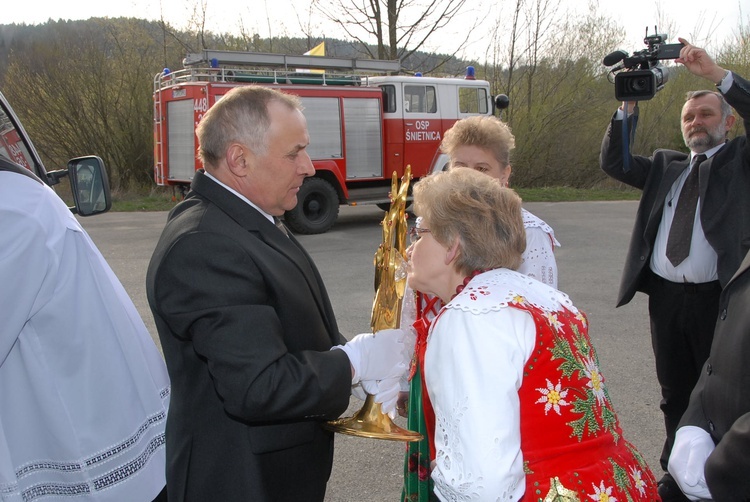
[594, 238]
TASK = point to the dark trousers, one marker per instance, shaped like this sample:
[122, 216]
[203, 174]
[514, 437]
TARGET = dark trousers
[683, 317]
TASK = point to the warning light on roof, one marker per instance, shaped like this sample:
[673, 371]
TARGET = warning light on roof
[418, 74]
[214, 63]
[470, 73]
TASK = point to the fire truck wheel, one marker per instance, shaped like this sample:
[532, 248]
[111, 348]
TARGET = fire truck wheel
[317, 208]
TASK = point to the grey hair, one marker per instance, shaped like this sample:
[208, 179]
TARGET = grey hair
[241, 116]
[726, 110]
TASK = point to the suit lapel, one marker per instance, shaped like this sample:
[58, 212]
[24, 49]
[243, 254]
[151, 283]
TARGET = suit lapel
[251, 220]
[743, 268]
[705, 172]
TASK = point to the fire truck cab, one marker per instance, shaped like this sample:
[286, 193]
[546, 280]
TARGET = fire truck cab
[362, 128]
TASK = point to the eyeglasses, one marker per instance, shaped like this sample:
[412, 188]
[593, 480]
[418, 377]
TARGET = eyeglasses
[415, 234]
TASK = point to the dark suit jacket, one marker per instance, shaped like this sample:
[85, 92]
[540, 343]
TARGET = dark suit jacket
[246, 326]
[724, 189]
[720, 402]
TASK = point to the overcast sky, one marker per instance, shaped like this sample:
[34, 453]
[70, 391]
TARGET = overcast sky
[690, 17]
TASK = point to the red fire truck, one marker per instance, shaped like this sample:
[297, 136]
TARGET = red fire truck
[362, 127]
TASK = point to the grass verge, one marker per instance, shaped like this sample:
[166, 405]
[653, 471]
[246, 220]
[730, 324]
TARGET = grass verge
[163, 199]
[568, 194]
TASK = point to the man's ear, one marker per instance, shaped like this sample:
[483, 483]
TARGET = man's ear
[237, 159]
[730, 121]
[453, 251]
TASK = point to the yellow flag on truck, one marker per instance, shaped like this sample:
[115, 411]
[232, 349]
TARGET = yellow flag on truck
[318, 50]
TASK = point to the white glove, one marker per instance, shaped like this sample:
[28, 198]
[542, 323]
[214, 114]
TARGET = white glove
[692, 446]
[378, 356]
[359, 392]
[385, 392]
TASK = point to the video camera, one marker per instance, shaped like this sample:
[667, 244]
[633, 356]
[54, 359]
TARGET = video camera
[640, 76]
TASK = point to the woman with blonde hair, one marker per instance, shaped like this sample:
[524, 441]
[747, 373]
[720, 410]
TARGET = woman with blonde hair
[521, 411]
[484, 143]
[481, 143]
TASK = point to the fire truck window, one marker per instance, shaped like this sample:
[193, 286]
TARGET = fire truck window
[420, 99]
[472, 100]
[389, 98]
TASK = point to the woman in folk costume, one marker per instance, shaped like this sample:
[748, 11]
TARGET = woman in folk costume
[482, 143]
[521, 411]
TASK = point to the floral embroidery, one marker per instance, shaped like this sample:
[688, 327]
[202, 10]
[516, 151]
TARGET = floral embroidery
[638, 481]
[620, 476]
[553, 321]
[596, 380]
[582, 318]
[553, 397]
[482, 290]
[594, 407]
[637, 455]
[561, 374]
[602, 494]
[419, 464]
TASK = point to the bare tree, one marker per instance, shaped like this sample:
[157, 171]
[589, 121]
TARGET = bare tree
[92, 84]
[550, 67]
[396, 28]
[307, 26]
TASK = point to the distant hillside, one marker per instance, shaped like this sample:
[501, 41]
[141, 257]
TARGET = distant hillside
[18, 37]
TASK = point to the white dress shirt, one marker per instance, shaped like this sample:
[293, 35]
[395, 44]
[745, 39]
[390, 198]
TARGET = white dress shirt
[701, 264]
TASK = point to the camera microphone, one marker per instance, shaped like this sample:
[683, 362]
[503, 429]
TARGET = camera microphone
[614, 57]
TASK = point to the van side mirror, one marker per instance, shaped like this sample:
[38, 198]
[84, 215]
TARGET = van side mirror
[90, 185]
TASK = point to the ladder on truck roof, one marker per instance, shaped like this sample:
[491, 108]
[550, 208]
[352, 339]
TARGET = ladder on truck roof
[289, 62]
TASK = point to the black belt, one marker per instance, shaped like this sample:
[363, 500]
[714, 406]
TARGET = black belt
[688, 287]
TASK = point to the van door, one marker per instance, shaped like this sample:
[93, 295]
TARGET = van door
[393, 129]
[422, 125]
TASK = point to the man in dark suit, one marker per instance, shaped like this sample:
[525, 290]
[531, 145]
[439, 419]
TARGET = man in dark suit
[711, 455]
[244, 319]
[682, 265]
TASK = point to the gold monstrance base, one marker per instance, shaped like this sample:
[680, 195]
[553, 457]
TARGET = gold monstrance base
[371, 422]
[390, 282]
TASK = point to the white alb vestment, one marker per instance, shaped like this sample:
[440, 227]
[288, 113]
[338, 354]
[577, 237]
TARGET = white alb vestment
[84, 390]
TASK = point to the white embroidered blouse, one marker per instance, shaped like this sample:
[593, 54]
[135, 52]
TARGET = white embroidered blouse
[474, 364]
[539, 258]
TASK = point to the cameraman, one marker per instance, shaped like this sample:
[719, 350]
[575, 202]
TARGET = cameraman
[707, 241]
